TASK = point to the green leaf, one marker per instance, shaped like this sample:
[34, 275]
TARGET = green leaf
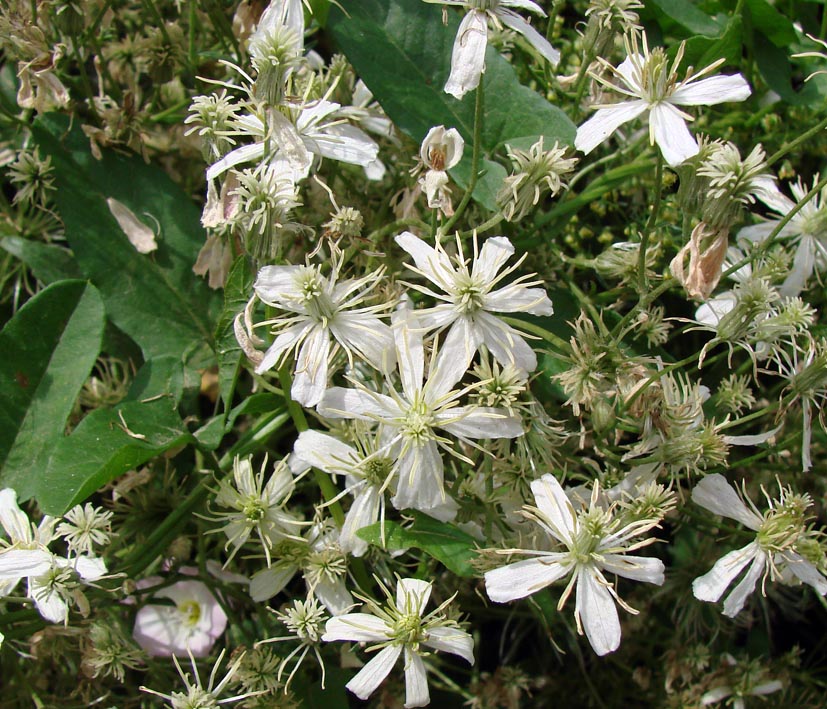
[402, 51]
[771, 23]
[775, 68]
[237, 292]
[488, 183]
[48, 350]
[450, 546]
[702, 51]
[106, 444]
[688, 16]
[154, 298]
[48, 262]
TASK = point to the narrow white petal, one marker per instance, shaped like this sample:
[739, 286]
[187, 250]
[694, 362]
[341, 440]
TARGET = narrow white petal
[333, 595]
[310, 378]
[324, 452]
[535, 39]
[268, 582]
[711, 312]
[712, 90]
[529, 5]
[715, 494]
[468, 55]
[416, 681]
[518, 299]
[412, 595]
[453, 640]
[802, 268]
[605, 122]
[345, 143]
[454, 357]
[552, 501]
[420, 484]
[21, 563]
[521, 579]
[246, 153]
[367, 336]
[767, 688]
[373, 673]
[806, 572]
[480, 422]
[637, 568]
[505, 343]
[711, 586]
[13, 519]
[598, 613]
[363, 512]
[434, 265]
[410, 351]
[338, 402]
[492, 257]
[735, 601]
[672, 134]
[284, 342]
[49, 602]
[356, 627]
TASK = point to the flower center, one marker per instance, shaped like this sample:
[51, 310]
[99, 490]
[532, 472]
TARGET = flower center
[657, 81]
[377, 470]
[191, 612]
[469, 294]
[314, 296]
[418, 421]
[408, 629]
[253, 509]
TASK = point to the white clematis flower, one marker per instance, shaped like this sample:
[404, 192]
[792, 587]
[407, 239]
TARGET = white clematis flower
[593, 543]
[401, 627]
[773, 553]
[321, 314]
[807, 230]
[471, 296]
[653, 87]
[410, 420]
[441, 150]
[468, 56]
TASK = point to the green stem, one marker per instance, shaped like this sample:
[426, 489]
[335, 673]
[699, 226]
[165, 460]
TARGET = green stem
[820, 185]
[541, 332]
[645, 300]
[805, 136]
[395, 227]
[496, 219]
[475, 161]
[650, 226]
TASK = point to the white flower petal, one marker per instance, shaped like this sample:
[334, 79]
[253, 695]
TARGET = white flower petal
[338, 402]
[535, 39]
[21, 563]
[672, 134]
[268, 582]
[366, 335]
[468, 55]
[13, 519]
[363, 512]
[598, 613]
[492, 257]
[284, 342]
[715, 494]
[50, 604]
[373, 673]
[345, 143]
[333, 595]
[521, 579]
[505, 343]
[552, 501]
[804, 571]
[356, 627]
[412, 595]
[529, 5]
[711, 586]
[712, 90]
[310, 378]
[416, 681]
[516, 298]
[735, 601]
[605, 122]
[480, 422]
[420, 484]
[410, 351]
[434, 265]
[246, 153]
[323, 451]
[802, 268]
[637, 568]
[453, 640]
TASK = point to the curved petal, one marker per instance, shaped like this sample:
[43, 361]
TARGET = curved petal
[268, 582]
[598, 613]
[516, 298]
[373, 673]
[712, 90]
[356, 627]
[338, 402]
[416, 681]
[535, 39]
[420, 484]
[17, 564]
[453, 640]
[552, 501]
[412, 595]
[310, 379]
[284, 342]
[521, 579]
[711, 586]
[715, 494]
[323, 451]
[345, 143]
[505, 343]
[368, 336]
[410, 352]
[363, 512]
[333, 595]
[468, 55]
[735, 601]
[672, 134]
[480, 422]
[492, 257]
[605, 122]
[804, 571]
